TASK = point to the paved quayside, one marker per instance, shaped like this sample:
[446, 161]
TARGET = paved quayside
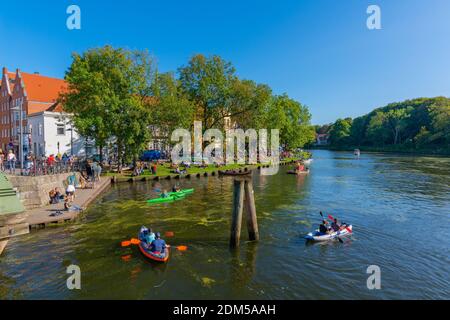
[40, 217]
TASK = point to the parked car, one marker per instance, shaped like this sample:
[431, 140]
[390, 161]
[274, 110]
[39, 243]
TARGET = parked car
[151, 155]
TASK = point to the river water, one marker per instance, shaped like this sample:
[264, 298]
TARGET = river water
[399, 207]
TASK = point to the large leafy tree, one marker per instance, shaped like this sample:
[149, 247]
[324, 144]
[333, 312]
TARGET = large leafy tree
[340, 132]
[250, 101]
[292, 119]
[395, 120]
[170, 107]
[440, 123]
[108, 88]
[208, 81]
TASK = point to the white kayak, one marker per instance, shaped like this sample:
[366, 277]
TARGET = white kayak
[318, 236]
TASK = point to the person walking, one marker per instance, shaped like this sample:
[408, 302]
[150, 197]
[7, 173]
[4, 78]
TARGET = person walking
[2, 161]
[11, 158]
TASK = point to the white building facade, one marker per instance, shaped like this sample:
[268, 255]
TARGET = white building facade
[52, 133]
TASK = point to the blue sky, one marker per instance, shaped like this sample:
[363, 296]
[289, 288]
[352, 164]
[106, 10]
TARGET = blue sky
[317, 51]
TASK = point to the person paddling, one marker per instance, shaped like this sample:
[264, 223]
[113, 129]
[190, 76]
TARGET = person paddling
[158, 246]
[147, 235]
[335, 226]
[164, 194]
[323, 228]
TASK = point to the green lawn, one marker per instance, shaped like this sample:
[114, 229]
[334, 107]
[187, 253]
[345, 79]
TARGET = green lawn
[165, 170]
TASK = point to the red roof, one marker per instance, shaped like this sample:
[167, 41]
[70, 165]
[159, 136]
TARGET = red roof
[42, 89]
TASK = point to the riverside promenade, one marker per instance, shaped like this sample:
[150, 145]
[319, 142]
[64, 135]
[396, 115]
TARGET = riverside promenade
[42, 217]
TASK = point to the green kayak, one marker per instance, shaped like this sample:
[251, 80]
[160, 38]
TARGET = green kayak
[181, 192]
[168, 199]
[172, 196]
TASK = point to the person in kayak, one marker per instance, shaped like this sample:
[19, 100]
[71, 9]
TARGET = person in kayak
[158, 246]
[323, 228]
[164, 194]
[299, 167]
[147, 236]
[335, 226]
[176, 188]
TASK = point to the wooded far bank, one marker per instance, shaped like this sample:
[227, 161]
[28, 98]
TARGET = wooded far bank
[420, 125]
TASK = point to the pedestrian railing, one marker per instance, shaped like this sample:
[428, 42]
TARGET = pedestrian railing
[42, 168]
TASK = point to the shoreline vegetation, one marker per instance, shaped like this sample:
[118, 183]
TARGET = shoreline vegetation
[165, 172]
[418, 126]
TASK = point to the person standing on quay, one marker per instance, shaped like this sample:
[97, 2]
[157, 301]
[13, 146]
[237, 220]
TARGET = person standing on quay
[2, 161]
[11, 161]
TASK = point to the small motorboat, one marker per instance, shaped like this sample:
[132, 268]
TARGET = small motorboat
[320, 237]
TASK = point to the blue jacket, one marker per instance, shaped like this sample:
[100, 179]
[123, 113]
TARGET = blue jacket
[158, 245]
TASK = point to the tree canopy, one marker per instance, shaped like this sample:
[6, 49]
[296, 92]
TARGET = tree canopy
[422, 123]
[118, 95]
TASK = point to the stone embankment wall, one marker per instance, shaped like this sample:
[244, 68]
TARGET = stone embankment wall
[33, 191]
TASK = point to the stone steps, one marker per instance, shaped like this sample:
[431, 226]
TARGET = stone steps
[9, 201]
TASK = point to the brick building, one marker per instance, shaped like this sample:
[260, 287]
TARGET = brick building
[31, 93]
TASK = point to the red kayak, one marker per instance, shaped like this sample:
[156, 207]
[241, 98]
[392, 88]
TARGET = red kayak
[153, 255]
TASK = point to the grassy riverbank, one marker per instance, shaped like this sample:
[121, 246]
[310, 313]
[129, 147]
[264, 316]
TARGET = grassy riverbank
[165, 170]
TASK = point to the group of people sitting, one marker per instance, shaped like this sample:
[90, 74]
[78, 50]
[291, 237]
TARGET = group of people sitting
[326, 228]
[55, 196]
[152, 241]
[139, 169]
[178, 170]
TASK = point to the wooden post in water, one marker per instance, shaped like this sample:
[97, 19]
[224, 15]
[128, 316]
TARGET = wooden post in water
[252, 222]
[238, 206]
[243, 198]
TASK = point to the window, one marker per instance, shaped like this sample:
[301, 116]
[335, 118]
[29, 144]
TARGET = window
[40, 129]
[60, 129]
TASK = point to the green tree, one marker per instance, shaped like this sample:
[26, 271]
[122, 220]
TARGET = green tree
[440, 115]
[376, 131]
[422, 138]
[108, 88]
[170, 107]
[292, 119]
[249, 100]
[207, 82]
[340, 132]
[395, 120]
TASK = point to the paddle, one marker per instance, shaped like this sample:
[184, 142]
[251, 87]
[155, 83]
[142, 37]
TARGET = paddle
[179, 248]
[130, 242]
[347, 228]
[137, 241]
